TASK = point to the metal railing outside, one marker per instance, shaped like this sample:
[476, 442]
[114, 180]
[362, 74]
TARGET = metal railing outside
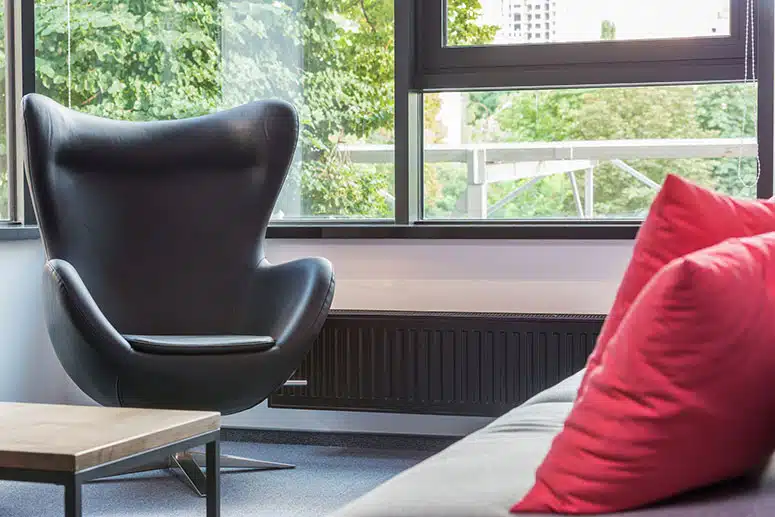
[488, 163]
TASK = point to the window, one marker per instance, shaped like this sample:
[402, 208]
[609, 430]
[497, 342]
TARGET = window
[167, 59]
[455, 118]
[591, 153]
[596, 20]
[585, 126]
[5, 190]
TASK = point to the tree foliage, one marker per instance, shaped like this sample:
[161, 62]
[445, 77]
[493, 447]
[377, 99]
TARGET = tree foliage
[607, 30]
[166, 59]
[463, 26]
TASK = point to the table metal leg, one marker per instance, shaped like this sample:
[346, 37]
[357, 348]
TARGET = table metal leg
[213, 453]
[73, 498]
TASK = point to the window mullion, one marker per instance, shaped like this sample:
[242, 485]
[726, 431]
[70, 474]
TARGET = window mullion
[408, 118]
[20, 80]
[765, 65]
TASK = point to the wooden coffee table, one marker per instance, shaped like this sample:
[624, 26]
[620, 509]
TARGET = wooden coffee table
[70, 445]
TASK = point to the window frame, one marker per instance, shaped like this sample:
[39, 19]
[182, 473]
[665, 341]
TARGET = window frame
[596, 63]
[423, 64]
[634, 63]
[20, 80]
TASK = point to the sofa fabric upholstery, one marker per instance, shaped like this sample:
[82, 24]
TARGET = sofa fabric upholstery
[485, 473]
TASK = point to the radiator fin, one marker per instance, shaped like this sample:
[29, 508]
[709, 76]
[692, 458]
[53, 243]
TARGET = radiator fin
[445, 364]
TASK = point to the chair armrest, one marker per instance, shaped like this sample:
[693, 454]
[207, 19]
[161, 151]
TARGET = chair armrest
[69, 292]
[290, 300]
[84, 340]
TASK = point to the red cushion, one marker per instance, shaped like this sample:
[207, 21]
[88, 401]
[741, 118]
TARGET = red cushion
[684, 395]
[683, 218]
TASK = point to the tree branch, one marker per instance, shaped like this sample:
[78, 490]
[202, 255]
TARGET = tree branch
[87, 101]
[366, 16]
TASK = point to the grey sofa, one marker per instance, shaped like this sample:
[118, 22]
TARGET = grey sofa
[485, 473]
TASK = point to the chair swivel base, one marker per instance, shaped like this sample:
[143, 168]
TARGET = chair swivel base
[188, 466]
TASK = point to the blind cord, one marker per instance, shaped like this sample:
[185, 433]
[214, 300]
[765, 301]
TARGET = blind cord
[750, 51]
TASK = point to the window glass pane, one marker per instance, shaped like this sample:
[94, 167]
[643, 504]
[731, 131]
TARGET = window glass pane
[4, 187]
[513, 22]
[585, 153]
[167, 59]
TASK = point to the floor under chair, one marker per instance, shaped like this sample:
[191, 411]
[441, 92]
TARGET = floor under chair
[325, 479]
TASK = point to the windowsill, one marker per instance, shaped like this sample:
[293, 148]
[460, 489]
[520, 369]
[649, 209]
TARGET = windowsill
[18, 232]
[11, 232]
[423, 231]
[460, 230]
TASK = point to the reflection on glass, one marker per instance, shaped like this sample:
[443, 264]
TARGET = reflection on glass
[170, 59]
[515, 22]
[583, 153]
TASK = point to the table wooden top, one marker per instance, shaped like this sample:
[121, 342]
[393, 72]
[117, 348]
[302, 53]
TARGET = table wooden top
[74, 438]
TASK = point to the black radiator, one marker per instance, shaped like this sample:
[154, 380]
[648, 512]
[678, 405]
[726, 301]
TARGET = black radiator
[439, 363]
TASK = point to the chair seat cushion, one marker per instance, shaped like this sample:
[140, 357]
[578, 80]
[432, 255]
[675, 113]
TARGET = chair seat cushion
[200, 345]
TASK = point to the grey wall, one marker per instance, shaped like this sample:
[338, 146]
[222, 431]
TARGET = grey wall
[509, 276]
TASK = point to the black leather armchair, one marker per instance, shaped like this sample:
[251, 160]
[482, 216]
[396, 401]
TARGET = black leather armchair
[157, 291]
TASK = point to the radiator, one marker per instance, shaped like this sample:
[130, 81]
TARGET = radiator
[438, 363]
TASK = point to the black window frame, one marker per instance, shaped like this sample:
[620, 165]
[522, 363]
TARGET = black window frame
[20, 79]
[597, 63]
[423, 64]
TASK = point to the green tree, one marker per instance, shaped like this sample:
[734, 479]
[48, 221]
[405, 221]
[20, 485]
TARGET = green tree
[138, 61]
[540, 116]
[165, 59]
[730, 111]
[464, 26]
[601, 114]
[705, 111]
[607, 30]
[640, 113]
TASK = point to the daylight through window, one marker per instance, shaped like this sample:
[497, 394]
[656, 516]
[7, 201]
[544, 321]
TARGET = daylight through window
[170, 59]
[437, 112]
[597, 153]
[568, 21]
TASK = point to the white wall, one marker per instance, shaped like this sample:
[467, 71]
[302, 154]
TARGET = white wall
[480, 276]
[29, 370]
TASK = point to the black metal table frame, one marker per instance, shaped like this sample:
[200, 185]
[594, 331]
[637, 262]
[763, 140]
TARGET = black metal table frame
[73, 481]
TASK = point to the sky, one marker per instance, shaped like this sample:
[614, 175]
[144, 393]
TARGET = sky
[580, 20]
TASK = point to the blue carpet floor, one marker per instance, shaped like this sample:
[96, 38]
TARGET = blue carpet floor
[326, 478]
